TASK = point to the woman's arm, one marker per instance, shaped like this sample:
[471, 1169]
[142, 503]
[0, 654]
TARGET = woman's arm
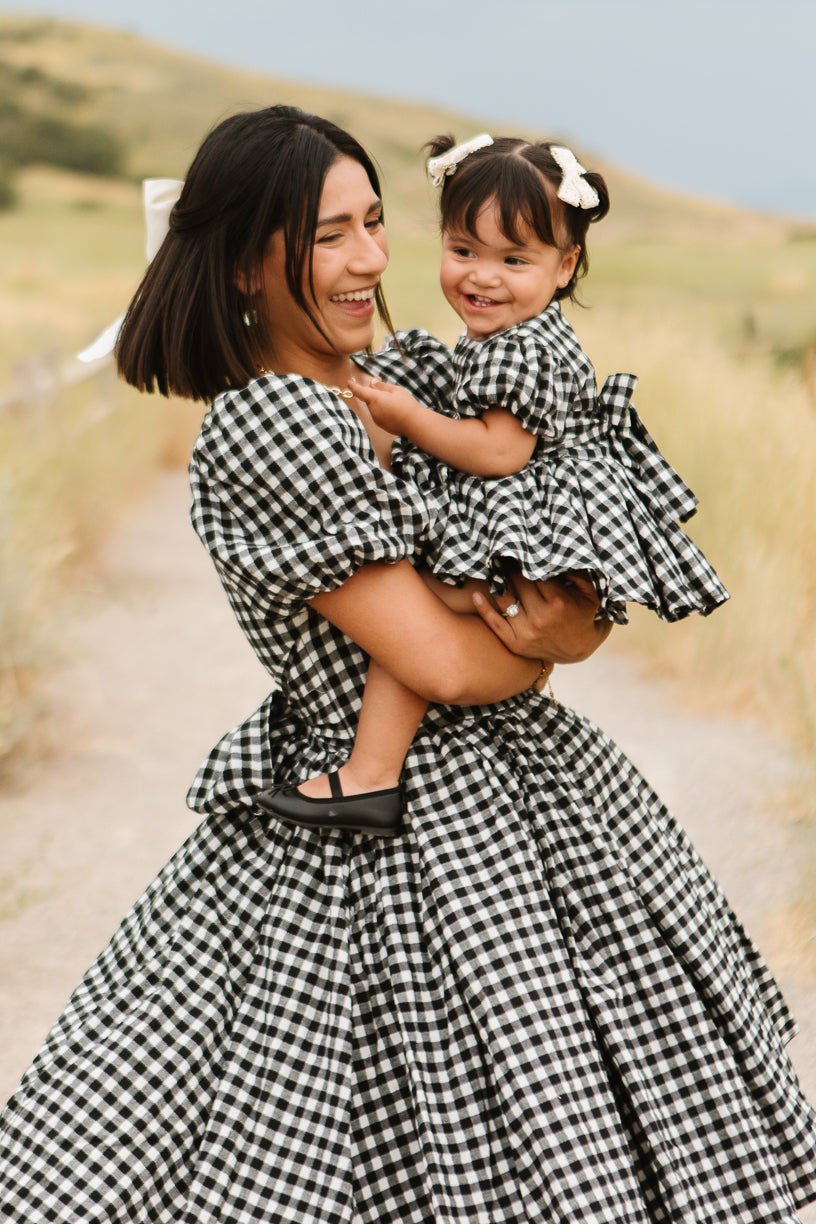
[454, 658]
[442, 655]
[491, 445]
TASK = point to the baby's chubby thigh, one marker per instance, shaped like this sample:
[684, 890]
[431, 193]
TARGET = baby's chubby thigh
[457, 598]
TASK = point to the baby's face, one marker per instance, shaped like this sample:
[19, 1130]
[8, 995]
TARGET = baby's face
[493, 283]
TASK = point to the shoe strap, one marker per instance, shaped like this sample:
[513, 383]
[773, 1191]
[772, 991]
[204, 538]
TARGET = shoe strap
[334, 786]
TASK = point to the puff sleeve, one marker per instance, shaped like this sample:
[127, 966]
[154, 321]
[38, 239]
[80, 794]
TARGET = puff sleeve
[288, 497]
[514, 371]
[418, 361]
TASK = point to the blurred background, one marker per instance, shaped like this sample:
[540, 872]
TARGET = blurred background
[702, 280]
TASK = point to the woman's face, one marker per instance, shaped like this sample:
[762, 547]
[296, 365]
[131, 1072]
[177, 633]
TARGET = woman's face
[350, 254]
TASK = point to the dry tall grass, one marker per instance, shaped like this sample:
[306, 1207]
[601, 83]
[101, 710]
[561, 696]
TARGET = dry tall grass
[70, 465]
[743, 433]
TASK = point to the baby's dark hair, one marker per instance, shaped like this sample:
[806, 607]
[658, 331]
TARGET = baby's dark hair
[523, 180]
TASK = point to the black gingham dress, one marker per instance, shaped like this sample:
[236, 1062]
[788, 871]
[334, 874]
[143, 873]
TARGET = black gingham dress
[535, 1005]
[596, 495]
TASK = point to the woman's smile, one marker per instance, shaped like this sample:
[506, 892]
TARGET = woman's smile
[357, 304]
[361, 295]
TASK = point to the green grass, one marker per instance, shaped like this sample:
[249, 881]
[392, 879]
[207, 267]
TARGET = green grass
[745, 291]
[70, 257]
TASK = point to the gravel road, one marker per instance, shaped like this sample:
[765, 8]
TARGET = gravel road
[155, 669]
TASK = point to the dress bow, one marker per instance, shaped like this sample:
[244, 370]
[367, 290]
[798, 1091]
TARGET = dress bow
[629, 439]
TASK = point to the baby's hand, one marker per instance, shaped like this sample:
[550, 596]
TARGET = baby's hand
[393, 408]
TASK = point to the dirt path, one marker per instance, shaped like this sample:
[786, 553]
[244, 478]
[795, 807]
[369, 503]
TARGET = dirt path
[158, 670]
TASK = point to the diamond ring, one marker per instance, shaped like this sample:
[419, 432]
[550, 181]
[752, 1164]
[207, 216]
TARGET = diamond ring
[512, 611]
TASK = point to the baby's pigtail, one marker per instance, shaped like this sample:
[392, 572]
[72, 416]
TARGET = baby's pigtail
[438, 145]
[596, 180]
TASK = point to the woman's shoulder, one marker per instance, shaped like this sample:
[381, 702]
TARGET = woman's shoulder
[288, 498]
[274, 416]
[291, 394]
[271, 401]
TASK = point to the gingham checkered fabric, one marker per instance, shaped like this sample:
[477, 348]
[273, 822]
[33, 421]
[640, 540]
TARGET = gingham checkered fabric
[535, 1005]
[597, 495]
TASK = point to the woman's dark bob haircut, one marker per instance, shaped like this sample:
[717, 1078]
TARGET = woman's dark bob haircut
[190, 329]
[522, 179]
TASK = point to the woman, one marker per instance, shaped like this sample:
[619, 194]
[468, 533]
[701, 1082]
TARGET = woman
[532, 1004]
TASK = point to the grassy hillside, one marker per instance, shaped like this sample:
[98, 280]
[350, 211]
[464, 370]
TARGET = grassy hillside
[159, 103]
[714, 307]
[76, 241]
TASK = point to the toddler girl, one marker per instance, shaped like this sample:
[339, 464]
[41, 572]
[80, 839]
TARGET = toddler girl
[536, 472]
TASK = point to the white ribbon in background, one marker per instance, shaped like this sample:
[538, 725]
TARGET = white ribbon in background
[158, 198]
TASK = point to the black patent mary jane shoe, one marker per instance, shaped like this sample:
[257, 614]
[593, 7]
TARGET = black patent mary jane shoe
[376, 812]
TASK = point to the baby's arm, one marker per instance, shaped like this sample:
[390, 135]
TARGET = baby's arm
[493, 444]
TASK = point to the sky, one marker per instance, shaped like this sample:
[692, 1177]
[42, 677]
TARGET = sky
[712, 97]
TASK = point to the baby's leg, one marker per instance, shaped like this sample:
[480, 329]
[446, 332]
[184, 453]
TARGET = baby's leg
[458, 599]
[390, 715]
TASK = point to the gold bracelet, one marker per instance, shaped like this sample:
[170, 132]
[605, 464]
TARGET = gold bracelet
[542, 682]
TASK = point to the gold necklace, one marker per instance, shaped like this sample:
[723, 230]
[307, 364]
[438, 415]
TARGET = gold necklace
[344, 394]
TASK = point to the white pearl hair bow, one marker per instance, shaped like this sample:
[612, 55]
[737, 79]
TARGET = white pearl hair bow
[446, 163]
[158, 198]
[574, 188]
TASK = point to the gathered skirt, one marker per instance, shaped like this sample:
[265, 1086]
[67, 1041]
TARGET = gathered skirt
[535, 1005]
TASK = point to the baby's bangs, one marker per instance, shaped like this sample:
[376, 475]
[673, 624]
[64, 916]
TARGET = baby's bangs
[524, 204]
[514, 186]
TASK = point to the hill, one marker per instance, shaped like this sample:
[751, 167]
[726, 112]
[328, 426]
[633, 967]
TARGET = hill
[159, 102]
[71, 254]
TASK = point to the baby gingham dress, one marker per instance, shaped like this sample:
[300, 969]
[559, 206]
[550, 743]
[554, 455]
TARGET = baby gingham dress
[534, 1005]
[596, 495]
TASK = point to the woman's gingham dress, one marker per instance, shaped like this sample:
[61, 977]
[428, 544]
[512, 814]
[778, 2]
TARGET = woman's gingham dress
[535, 1005]
[596, 495]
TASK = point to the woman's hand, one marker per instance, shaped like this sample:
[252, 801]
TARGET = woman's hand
[556, 619]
